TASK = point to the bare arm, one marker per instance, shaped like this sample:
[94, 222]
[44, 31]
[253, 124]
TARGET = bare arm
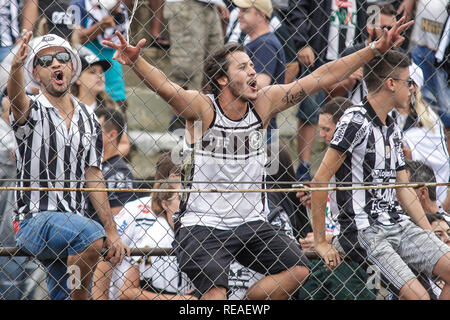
[291, 94]
[99, 199]
[189, 104]
[89, 34]
[331, 162]
[262, 80]
[344, 87]
[20, 103]
[410, 203]
[30, 14]
[131, 289]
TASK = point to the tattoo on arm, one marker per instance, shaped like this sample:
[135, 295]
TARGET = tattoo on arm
[294, 98]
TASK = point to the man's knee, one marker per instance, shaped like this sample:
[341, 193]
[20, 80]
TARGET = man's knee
[413, 290]
[94, 250]
[215, 293]
[299, 273]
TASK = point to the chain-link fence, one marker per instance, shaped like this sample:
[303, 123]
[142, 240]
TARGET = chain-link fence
[248, 149]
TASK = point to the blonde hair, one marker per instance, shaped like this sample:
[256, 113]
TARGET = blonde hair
[422, 110]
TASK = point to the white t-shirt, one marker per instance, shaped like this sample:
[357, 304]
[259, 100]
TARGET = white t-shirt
[135, 218]
[161, 271]
[430, 19]
[429, 146]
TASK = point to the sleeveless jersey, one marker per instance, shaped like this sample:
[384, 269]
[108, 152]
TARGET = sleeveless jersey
[229, 153]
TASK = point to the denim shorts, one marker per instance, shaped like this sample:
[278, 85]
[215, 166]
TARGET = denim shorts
[51, 234]
[51, 237]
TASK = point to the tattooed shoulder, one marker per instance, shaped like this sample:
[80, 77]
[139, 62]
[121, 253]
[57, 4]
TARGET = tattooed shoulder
[294, 98]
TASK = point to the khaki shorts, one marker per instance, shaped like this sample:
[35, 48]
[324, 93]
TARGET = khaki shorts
[397, 249]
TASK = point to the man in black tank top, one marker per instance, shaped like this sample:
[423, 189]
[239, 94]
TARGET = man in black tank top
[230, 77]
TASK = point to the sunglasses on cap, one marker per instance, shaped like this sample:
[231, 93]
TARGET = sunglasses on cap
[46, 61]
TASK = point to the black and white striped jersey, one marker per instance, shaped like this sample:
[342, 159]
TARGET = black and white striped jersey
[9, 22]
[51, 156]
[373, 156]
[230, 154]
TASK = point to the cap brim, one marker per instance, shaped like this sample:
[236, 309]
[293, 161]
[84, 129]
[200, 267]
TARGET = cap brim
[242, 3]
[105, 64]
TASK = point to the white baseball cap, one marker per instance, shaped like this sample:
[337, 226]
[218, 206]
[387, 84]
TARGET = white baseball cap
[416, 74]
[44, 42]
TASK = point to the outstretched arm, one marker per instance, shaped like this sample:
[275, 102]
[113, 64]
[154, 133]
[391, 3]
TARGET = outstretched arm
[20, 103]
[323, 77]
[189, 104]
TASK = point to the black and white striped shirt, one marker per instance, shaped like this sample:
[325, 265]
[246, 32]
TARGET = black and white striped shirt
[48, 155]
[373, 155]
[9, 22]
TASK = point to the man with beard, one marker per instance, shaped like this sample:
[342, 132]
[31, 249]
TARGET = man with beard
[59, 145]
[224, 146]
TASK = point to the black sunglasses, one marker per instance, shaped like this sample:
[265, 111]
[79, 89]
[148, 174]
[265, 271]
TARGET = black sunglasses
[47, 60]
[409, 81]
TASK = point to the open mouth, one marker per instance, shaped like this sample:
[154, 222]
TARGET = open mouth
[58, 76]
[252, 84]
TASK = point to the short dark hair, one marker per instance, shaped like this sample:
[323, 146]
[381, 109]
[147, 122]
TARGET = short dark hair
[216, 66]
[381, 68]
[113, 120]
[432, 217]
[336, 107]
[387, 9]
[420, 172]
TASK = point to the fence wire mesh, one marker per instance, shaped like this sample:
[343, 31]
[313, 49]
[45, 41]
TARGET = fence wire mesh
[249, 149]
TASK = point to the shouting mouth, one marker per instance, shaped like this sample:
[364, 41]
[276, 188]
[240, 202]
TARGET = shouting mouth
[252, 84]
[58, 77]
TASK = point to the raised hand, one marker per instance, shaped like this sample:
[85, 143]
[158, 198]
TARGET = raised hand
[125, 54]
[393, 38]
[22, 53]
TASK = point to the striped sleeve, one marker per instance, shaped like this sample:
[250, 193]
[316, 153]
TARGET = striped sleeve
[400, 157]
[350, 131]
[94, 157]
[28, 125]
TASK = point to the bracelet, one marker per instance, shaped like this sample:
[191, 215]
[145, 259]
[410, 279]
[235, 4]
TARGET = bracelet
[374, 49]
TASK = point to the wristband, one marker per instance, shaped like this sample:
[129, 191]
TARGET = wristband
[374, 49]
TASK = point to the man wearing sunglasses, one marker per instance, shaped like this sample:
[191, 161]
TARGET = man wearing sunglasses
[59, 146]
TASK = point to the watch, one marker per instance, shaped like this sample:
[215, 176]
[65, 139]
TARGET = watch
[374, 49]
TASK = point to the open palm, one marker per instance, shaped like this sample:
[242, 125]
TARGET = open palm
[125, 54]
[393, 38]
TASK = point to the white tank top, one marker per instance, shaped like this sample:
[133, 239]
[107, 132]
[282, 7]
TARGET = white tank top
[229, 151]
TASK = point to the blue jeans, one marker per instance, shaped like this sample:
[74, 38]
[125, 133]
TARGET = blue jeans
[435, 90]
[4, 51]
[51, 237]
[12, 277]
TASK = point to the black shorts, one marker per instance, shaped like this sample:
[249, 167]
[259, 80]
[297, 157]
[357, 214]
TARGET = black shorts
[205, 253]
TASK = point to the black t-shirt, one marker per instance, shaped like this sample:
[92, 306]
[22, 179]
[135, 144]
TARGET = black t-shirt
[59, 18]
[117, 175]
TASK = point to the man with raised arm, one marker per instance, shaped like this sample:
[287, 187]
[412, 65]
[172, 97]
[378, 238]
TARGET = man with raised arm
[224, 146]
[59, 146]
